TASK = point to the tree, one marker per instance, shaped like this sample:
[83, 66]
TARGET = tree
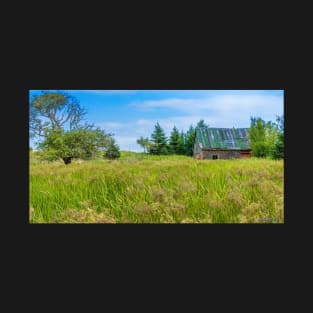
[113, 151]
[181, 146]
[189, 141]
[257, 136]
[158, 141]
[267, 138]
[77, 143]
[54, 110]
[175, 143]
[201, 124]
[271, 137]
[144, 142]
[279, 145]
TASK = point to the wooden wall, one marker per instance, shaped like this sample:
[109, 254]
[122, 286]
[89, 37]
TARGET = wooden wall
[225, 154]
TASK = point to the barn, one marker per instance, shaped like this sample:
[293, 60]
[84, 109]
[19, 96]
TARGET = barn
[221, 143]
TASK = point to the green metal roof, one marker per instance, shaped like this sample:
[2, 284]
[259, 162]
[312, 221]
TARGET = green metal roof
[223, 138]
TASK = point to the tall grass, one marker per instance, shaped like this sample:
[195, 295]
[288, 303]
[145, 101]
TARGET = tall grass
[157, 189]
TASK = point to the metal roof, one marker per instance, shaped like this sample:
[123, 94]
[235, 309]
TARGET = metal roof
[223, 138]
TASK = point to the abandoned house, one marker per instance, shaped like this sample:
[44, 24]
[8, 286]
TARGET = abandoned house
[221, 143]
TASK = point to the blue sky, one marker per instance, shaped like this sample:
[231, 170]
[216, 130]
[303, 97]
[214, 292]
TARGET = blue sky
[130, 114]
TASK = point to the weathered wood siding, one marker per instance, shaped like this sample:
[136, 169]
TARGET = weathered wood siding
[197, 151]
[224, 154]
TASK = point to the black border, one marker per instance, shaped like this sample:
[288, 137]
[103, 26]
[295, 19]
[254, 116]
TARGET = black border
[209, 76]
[232, 47]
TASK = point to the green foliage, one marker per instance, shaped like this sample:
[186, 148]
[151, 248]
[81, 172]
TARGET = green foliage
[201, 123]
[260, 149]
[158, 141]
[189, 141]
[144, 143]
[267, 138]
[113, 151]
[176, 142]
[182, 143]
[179, 143]
[77, 143]
[57, 117]
[257, 130]
[53, 110]
[279, 145]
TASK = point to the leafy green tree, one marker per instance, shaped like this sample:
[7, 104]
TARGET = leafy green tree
[144, 143]
[56, 117]
[279, 145]
[113, 151]
[257, 136]
[54, 110]
[77, 143]
[271, 136]
[267, 138]
[158, 141]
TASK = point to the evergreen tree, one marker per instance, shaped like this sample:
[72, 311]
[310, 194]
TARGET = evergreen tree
[175, 142]
[201, 124]
[189, 141]
[181, 146]
[158, 141]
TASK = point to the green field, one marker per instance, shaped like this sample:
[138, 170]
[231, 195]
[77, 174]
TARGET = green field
[140, 188]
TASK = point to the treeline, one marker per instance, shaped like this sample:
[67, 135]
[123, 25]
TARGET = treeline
[178, 142]
[266, 139]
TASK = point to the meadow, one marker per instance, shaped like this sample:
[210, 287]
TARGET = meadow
[139, 188]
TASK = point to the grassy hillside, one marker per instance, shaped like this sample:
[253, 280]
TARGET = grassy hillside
[157, 189]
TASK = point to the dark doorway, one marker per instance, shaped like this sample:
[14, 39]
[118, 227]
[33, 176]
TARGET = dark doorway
[214, 157]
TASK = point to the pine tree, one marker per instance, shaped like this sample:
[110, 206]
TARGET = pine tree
[181, 146]
[201, 124]
[159, 141]
[175, 141]
[189, 141]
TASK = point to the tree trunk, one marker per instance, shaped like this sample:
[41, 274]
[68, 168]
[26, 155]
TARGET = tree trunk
[67, 160]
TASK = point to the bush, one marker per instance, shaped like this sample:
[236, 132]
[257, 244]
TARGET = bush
[112, 152]
[259, 149]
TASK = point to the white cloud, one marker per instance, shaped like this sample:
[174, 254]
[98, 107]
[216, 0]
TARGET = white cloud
[128, 143]
[126, 134]
[218, 111]
[220, 103]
